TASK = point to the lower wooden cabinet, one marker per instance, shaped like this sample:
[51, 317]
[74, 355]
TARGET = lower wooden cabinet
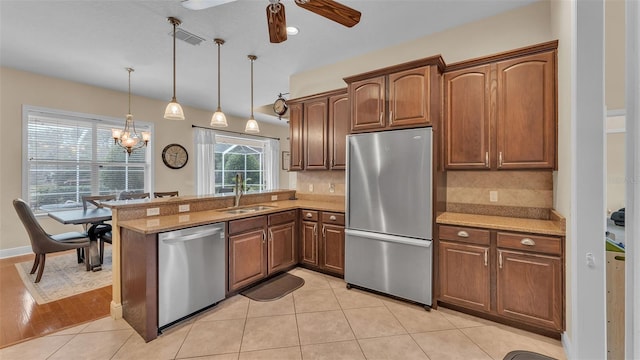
[465, 275]
[322, 241]
[516, 277]
[260, 246]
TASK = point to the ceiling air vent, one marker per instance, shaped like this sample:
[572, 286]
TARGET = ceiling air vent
[187, 37]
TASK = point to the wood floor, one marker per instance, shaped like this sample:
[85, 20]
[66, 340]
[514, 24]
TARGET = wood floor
[21, 318]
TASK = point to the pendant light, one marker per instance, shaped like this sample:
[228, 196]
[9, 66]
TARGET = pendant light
[174, 110]
[128, 137]
[252, 124]
[218, 119]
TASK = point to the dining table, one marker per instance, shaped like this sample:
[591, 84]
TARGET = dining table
[86, 218]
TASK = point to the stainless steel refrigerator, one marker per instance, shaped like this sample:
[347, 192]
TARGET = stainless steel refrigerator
[388, 207]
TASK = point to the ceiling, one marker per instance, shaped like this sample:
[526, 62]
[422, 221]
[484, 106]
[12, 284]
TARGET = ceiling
[93, 41]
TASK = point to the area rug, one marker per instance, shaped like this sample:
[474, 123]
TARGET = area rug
[64, 277]
[275, 288]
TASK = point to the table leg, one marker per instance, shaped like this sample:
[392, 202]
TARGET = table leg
[94, 255]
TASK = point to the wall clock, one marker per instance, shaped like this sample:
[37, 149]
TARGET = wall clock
[175, 156]
[280, 106]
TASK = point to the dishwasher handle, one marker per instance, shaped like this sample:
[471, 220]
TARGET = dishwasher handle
[194, 236]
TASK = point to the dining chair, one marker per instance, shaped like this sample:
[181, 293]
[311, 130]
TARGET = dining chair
[43, 243]
[165, 194]
[129, 195]
[101, 232]
[96, 200]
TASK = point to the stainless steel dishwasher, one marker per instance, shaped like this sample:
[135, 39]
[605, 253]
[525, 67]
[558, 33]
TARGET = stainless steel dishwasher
[191, 271]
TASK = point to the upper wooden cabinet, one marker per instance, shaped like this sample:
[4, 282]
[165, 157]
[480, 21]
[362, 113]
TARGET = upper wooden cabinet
[295, 136]
[318, 126]
[402, 96]
[338, 130]
[500, 111]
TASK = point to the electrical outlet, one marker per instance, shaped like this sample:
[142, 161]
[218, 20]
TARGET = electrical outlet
[332, 187]
[183, 208]
[274, 197]
[310, 187]
[493, 196]
[153, 211]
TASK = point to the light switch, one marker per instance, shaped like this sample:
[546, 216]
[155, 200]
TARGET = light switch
[153, 211]
[310, 187]
[332, 187]
[183, 208]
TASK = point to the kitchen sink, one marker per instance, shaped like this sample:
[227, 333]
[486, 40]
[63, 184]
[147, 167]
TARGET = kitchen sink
[249, 209]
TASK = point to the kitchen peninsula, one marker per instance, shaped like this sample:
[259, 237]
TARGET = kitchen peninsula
[135, 274]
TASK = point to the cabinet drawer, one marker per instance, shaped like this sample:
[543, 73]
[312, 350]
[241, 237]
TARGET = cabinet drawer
[309, 215]
[242, 225]
[464, 234]
[332, 218]
[541, 244]
[282, 217]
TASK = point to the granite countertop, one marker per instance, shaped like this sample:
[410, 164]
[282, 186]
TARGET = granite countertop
[157, 224]
[554, 226]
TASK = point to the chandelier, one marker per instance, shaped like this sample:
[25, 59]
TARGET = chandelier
[128, 137]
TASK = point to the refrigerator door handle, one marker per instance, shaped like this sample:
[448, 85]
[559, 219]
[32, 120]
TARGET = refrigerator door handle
[389, 238]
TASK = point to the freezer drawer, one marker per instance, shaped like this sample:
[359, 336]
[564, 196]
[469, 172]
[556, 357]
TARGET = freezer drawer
[394, 265]
[191, 271]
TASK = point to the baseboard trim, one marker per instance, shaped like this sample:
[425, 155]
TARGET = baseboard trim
[116, 310]
[566, 344]
[17, 251]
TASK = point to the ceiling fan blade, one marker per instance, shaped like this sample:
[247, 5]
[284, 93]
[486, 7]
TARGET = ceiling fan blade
[202, 4]
[277, 24]
[332, 10]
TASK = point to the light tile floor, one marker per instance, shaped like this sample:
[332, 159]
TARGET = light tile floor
[321, 320]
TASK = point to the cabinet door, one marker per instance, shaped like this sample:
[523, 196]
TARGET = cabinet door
[529, 288]
[295, 137]
[465, 275]
[338, 130]
[246, 258]
[333, 248]
[309, 243]
[467, 119]
[281, 247]
[315, 134]
[526, 117]
[368, 104]
[409, 97]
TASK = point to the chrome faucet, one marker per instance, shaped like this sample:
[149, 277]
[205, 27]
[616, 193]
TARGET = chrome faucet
[238, 188]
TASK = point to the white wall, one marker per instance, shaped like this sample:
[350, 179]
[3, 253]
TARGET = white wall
[18, 88]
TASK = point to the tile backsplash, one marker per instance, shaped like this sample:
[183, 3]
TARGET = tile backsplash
[519, 193]
[320, 182]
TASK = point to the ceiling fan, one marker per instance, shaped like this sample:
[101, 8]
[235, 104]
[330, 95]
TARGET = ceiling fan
[276, 19]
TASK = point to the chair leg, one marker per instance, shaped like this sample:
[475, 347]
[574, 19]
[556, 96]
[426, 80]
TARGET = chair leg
[41, 270]
[36, 261]
[79, 253]
[87, 264]
[101, 251]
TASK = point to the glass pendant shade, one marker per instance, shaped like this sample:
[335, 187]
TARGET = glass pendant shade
[218, 119]
[252, 126]
[174, 111]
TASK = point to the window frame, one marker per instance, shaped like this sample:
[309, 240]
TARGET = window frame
[148, 166]
[252, 142]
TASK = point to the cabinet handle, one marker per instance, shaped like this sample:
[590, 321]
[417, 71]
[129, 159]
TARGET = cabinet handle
[324, 231]
[463, 234]
[381, 116]
[486, 159]
[332, 218]
[299, 162]
[486, 251]
[500, 259]
[315, 230]
[528, 242]
[333, 162]
[270, 235]
[264, 236]
[308, 215]
[391, 115]
[500, 159]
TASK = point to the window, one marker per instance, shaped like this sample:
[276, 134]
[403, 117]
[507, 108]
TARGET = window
[71, 155]
[221, 155]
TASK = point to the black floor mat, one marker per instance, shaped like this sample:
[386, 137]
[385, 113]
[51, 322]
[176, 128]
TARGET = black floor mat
[526, 355]
[275, 288]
